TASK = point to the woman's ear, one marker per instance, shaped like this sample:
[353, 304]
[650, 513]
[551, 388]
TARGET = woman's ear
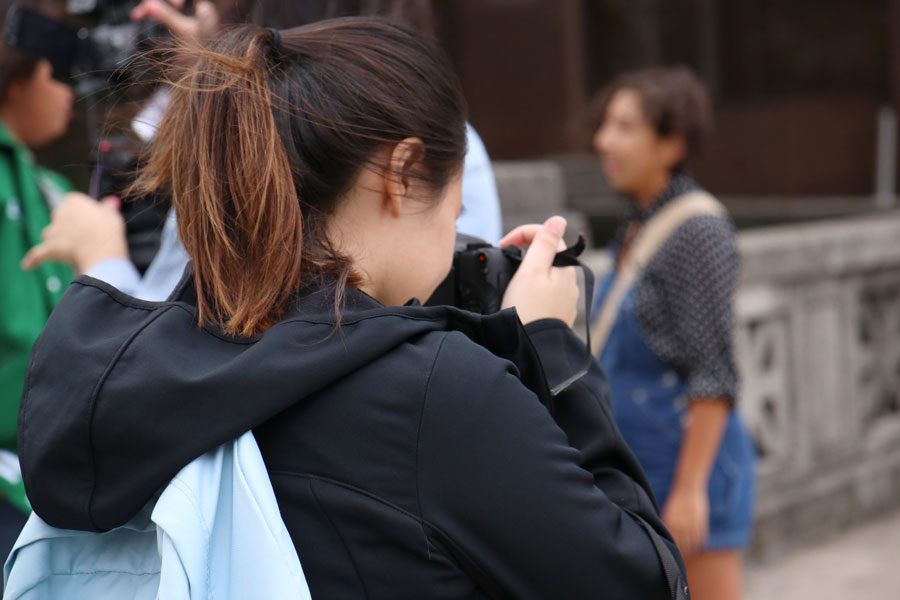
[401, 173]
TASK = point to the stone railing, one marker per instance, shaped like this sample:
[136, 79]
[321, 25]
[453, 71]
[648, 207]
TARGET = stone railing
[818, 345]
[818, 348]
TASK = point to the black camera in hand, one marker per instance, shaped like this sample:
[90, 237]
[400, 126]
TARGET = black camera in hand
[482, 272]
[479, 276]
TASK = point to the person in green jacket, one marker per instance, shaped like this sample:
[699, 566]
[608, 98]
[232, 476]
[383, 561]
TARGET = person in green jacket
[35, 109]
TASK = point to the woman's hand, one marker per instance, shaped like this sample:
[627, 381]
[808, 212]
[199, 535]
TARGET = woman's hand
[203, 24]
[82, 233]
[539, 290]
[686, 514]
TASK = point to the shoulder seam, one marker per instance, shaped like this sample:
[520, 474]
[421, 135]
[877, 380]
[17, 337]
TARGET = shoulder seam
[427, 389]
[92, 403]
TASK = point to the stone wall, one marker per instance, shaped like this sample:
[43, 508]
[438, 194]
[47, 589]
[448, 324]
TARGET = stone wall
[818, 345]
[818, 348]
[530, 191]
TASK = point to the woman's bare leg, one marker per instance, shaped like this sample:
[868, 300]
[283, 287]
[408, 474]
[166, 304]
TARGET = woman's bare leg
[716, 575]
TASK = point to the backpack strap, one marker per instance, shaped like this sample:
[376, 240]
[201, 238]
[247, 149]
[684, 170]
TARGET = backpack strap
[675, 579]
[654, 234]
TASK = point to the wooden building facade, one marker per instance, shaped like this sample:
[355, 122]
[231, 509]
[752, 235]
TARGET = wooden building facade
[798, 84]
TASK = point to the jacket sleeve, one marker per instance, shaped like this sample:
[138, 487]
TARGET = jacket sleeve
[534, 505]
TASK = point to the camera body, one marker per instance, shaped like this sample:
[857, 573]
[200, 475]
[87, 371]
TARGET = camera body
[481, 273]
[479, 276]
[95, 45]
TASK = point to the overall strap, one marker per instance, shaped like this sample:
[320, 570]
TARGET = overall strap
[647, 243]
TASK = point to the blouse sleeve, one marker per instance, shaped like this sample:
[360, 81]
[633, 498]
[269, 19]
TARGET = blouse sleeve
[699, 284]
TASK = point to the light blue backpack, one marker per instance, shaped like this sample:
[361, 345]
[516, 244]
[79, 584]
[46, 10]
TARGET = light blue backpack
[215, 532]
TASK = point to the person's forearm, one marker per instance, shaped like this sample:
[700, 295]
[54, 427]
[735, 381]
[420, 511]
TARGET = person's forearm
[706, 419]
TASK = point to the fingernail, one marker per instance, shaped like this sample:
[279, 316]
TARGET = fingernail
[556, 225]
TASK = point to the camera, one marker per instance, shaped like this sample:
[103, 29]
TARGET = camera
[481, 273]
[94, 46]
[479, 276]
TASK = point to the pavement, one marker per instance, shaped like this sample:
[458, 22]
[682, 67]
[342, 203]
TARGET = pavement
[862, 563]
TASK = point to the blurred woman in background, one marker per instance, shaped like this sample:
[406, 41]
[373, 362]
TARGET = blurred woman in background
[665, 320]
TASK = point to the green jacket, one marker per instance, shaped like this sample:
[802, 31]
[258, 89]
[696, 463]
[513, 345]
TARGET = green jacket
[26, 298]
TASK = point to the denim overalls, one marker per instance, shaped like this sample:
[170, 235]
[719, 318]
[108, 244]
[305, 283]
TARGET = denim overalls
[649, 406]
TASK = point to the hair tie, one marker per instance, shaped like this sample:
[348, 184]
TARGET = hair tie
[276, 38]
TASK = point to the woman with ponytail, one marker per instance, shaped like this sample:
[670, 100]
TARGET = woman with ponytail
[413, 451]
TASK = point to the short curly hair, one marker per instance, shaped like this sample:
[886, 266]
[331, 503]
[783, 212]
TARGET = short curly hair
[674, 101]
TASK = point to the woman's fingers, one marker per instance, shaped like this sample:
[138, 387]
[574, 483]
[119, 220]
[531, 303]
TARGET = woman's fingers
[82, 232]
[167, 15]
[112, 203]
[544, 246]
[538, 290]
[207, 16]
[520, 236]
[701, 533]
[524, 234]
[37, 256]
[684, 538]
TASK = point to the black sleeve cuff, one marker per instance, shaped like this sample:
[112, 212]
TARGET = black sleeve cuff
[562, 354]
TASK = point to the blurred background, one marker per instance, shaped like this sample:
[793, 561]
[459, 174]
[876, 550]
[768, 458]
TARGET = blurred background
[802, 89]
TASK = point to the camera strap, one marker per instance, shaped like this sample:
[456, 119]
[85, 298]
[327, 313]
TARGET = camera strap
[569, 258]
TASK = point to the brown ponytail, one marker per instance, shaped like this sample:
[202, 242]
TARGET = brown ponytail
[260, 142]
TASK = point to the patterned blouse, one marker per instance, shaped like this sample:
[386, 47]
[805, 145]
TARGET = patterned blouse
[685, 297]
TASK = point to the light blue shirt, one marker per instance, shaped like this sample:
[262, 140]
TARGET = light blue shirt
[481, 204]
[162, 275]
[480, 218]
[214, 533]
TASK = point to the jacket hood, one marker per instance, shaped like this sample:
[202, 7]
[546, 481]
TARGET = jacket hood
[111, 377]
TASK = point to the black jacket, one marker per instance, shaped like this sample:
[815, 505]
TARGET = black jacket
[415, 452]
